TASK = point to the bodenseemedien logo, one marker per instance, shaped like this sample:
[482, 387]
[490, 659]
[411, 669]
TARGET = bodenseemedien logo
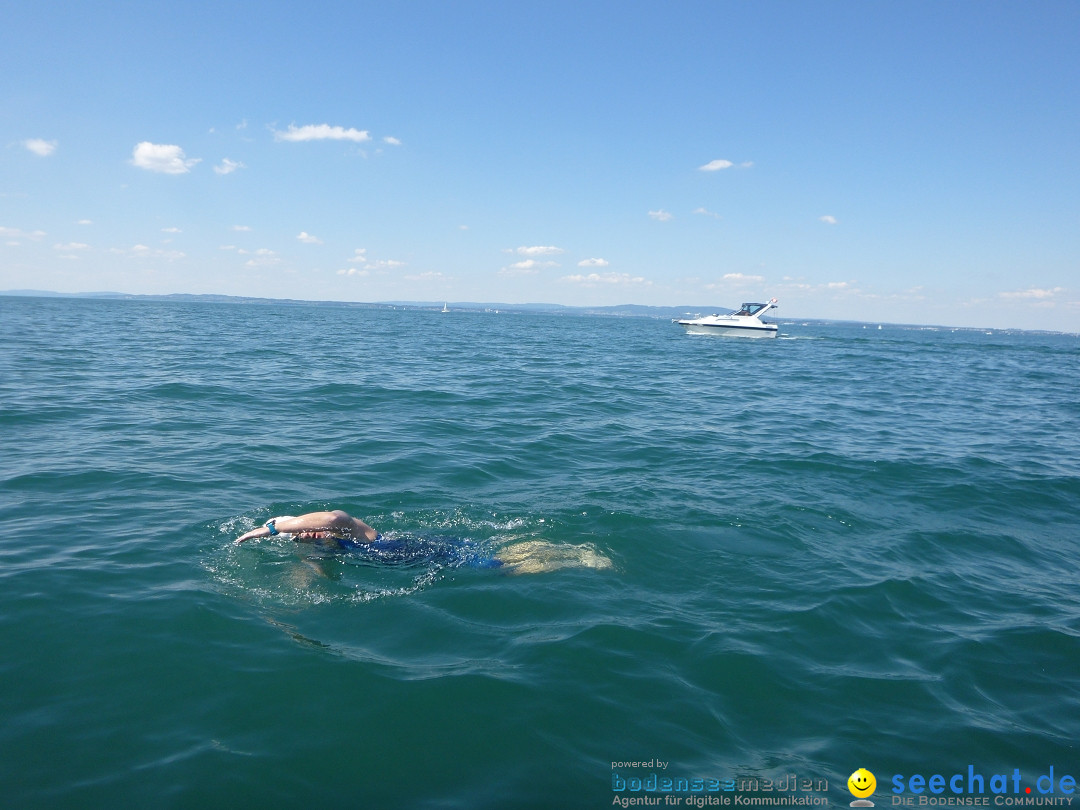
[862, 785]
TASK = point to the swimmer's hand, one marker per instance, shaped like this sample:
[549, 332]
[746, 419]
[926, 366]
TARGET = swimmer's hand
[259, 532]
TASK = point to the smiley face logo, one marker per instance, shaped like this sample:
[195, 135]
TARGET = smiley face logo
[862, 783]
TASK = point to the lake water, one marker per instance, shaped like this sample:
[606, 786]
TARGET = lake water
[846, 547]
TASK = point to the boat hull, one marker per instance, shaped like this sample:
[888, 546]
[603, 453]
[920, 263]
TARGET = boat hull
[764, 330]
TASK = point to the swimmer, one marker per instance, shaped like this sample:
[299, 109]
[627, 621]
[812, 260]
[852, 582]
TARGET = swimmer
[340, 529]
[316, 526]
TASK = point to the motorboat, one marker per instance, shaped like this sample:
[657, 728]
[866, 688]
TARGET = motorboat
[746, 322]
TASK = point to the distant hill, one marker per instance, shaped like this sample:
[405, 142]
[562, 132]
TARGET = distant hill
[622, 310]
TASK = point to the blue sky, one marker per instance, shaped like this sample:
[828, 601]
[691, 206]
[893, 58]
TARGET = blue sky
[914, 162]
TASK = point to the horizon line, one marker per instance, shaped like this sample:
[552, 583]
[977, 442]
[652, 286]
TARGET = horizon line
[533, 306]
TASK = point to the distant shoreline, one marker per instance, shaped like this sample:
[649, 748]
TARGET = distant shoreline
[624, 310]
[618, 310]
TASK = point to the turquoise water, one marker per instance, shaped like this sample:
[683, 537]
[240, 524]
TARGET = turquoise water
[843, 548]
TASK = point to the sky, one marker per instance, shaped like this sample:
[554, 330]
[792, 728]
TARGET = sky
[900, 162]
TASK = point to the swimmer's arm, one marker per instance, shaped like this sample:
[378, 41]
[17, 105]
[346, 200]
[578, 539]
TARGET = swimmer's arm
[311, 522]
[337, 522]
[262, 531]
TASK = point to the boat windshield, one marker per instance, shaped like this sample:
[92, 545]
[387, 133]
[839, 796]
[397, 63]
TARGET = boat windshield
[751, 309]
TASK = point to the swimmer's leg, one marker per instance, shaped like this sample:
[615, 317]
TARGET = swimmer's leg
[539, 556]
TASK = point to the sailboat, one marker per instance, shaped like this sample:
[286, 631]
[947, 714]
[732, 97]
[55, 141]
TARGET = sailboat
[445, 308]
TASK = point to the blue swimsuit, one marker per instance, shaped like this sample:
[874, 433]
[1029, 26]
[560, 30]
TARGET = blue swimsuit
[447, 551]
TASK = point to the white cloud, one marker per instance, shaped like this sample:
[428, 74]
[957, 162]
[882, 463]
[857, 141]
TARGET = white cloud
[593, 263]
[540, 250]
[241, 228]
[392, 141]
[430, 275]
[163, 158]
[144, 252]
[229, 166]
[1033, 293]
[661, 215]
[742, 277]
[838, 285]
[321, 132]
[16, 233]
[596, 279]
[360, 257]
[264, 257]
[354, 271]
[829, 220]
[706, 212]
[40, 147]
[526, 267]
[308, 239]
[71, 250]
[716, 165]
[171, 230]
[84, 222]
